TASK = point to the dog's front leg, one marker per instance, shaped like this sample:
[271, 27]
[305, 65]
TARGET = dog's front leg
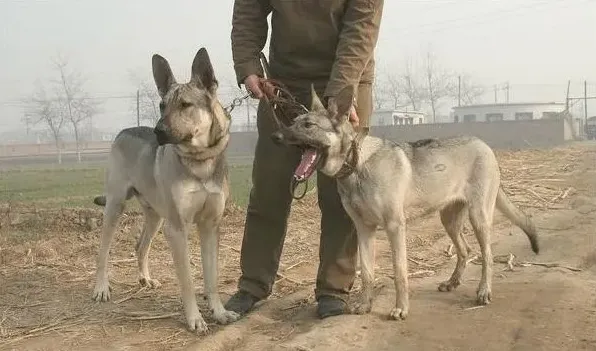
[178, 241]
[396, 232]
[209, 239]
[366, 250]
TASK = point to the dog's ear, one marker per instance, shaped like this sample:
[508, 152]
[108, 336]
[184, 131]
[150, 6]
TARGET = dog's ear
[340, 105]
[162, 74]
[316, 105]
[202, 71]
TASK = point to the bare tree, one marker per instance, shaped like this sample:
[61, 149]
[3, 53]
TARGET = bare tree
[438, 83]
[75, 102]
[378, 88]
[46, 111]
[406, 87]
[392, 90]
[148, 98]
[466, 91]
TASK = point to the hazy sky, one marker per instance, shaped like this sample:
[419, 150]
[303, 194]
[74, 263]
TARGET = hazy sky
[536, 45]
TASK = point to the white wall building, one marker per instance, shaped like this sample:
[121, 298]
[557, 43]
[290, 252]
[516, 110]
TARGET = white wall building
[390, 117]
[506, 112]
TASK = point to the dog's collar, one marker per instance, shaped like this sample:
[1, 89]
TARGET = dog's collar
[351, 160]
[212, 151]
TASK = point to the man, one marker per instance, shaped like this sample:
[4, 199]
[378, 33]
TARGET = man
[328, 43]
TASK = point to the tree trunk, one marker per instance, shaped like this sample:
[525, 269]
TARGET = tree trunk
[59, 151]
[432, 106]
[76, 132]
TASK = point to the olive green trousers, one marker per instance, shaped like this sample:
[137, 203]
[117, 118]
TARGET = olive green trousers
[269, 208]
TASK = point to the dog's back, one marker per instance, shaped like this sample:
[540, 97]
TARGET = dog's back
[131, 161]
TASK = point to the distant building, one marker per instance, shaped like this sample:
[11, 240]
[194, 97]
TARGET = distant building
[391, 117]
[506, 112]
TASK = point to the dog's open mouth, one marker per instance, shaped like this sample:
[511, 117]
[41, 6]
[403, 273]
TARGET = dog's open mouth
[308, 164]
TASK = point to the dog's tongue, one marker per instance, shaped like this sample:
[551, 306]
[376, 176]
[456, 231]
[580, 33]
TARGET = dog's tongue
[307, 165]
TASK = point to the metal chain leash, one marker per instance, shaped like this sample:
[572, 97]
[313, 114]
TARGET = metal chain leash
[235, 103]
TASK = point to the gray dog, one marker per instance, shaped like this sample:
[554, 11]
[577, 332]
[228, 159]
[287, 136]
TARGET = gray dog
[380, 183]
[177, 172]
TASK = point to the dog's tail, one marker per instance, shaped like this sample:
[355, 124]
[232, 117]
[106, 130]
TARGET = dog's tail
[519, 218]
[100, 200]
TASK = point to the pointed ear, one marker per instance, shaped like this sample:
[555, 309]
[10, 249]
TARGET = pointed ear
[202, 71]
[340, 105]
[162, 74]
[316, 105]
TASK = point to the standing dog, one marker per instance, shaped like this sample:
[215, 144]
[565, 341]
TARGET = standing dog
[381, 182]
[177, 172]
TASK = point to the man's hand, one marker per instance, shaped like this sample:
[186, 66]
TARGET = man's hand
[353, 117]
[258, 87]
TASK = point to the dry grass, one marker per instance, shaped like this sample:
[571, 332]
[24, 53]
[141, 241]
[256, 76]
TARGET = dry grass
[47, 262]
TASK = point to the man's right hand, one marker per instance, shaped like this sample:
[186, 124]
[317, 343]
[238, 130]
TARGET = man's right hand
[258, 87]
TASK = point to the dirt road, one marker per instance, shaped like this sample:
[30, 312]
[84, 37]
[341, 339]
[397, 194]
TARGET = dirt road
[533, 308]
[45, 285]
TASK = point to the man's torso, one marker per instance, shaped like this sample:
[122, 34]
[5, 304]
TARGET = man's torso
[304, 37]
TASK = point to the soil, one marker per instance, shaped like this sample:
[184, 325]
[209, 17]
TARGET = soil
[545, 302]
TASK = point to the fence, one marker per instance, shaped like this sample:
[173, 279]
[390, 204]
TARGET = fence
[499, 135]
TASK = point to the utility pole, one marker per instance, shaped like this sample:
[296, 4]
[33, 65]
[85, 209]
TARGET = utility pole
[138, 110]
[458, 91]
[567, 98]
[585, 104]
[495, 93]
[507, 89]
[247, 114]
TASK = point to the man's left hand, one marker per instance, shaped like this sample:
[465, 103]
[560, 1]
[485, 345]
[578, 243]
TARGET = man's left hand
[353, 117]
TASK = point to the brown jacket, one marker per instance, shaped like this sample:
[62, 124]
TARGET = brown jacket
[326, 42]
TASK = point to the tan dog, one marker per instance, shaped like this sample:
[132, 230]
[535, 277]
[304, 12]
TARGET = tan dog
[389, 181]
[177, 172]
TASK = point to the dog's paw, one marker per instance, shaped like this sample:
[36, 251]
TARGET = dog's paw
[448, 285]
[363, 307]
[150, 283]
[226, 317]
[484, 296]
[196, 323]
[398, 313]
[101, 293]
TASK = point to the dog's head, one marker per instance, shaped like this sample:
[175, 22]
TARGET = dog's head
[191, 114]
[324, 134]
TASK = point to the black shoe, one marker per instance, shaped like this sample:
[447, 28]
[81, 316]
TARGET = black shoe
[331, 306]
[241, 302]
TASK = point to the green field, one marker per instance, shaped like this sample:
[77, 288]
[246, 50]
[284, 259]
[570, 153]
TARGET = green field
[77, 186]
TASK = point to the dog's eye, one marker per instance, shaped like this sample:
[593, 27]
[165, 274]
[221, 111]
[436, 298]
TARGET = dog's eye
[308, 124]
[185, 104]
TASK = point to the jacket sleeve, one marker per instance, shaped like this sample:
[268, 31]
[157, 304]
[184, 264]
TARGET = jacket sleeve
[249, 35]
[357, 42]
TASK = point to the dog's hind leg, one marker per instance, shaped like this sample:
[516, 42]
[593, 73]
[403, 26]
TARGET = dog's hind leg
[152, 223]
[111, 217]
[452, 217]
[366, 251]
[481, 221]
[396, 232]
[209, 241]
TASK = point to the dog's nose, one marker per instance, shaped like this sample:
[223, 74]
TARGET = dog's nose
[277, 137]
[161, 134]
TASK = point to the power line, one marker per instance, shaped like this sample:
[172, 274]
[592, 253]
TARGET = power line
[477, 19]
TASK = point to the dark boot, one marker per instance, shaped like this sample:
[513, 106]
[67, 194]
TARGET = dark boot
[241, 302]
[331, 306]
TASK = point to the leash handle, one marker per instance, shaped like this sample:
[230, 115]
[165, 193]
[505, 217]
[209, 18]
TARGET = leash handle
[294, 184]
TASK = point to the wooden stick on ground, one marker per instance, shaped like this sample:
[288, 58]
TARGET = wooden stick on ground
[550, 265]
[149, 318]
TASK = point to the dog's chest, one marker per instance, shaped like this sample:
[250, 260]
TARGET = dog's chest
[361, 205]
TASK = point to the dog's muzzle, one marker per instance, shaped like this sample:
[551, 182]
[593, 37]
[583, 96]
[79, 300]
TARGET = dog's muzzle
[161, 133]
[277, 138]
